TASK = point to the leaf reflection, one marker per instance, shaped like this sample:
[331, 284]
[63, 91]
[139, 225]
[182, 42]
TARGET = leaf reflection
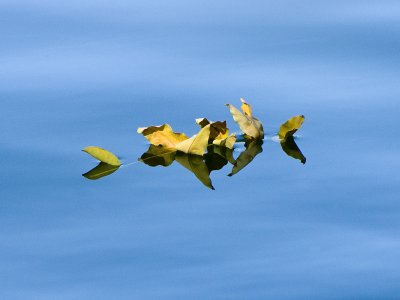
[201, 166]
[161, 156]
[158, 156]
[291, 149]
[208, 150]
[216, 158]
[101, 170]
[253, 148]
[224, 152]
[196, 165]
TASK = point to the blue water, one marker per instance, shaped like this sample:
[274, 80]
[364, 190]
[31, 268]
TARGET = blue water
[76, 74]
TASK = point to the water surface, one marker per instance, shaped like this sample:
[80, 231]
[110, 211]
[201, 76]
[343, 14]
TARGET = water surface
[76, 74]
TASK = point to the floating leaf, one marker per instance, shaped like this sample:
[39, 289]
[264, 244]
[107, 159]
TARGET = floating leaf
[197, 166]
[290, 126]
[218, 129]
[246, 108]
[102, 155]
[290, 148]
[162, 135]
[101, 170]
[251, 126]
[253, 148]
[202, 122]
[197, 144]
[167, 146]
[228, 142]
[158, 156]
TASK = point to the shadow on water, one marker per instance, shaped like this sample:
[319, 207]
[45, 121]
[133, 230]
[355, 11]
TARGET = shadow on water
[215, 159]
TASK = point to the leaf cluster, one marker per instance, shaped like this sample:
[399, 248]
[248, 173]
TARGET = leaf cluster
[208, 150]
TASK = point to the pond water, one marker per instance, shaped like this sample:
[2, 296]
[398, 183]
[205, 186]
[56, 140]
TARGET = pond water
[76, 74]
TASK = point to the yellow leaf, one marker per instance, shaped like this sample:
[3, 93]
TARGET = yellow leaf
[290, 148]
[162, 135]
[246, 108]
[218, 129]
[290, 126]
[228, 142]
[102, 155]
[101, 170]
[197, 144]
[158, 156]
[251, 126]
[197, 166]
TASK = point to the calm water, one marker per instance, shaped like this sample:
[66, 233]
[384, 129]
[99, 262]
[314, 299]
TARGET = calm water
[75, 74]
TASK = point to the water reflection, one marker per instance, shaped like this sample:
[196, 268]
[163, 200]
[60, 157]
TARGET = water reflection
[201, 166]
[158, 156]
[101, 170]
[196, 164]
[291, 149]
[215, 159]
[252, 149]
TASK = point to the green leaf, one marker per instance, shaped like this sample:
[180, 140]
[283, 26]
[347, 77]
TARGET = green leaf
[290, 126]
[102, 155]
